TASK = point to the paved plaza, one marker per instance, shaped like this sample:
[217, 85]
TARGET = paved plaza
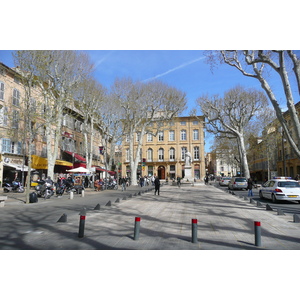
[224, 222]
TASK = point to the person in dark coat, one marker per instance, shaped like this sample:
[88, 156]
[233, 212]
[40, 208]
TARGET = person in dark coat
[250, 187]
[157, 185]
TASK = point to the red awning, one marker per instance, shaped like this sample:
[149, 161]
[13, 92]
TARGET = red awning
[77, 156]
[103, 170]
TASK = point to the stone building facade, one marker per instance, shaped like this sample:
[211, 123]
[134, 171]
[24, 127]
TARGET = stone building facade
[164, 154]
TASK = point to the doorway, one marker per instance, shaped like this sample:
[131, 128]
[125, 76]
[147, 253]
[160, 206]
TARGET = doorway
[161, 172]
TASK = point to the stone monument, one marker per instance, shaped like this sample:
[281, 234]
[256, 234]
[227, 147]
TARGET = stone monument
[188, 167]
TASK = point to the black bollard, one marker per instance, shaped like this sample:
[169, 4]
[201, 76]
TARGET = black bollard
[82, 223]
[97, 207]
[194, 231]
[137, 228]
[257, 232]
[63, 218]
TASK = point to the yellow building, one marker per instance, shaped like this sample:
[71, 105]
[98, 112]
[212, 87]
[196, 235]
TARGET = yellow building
[164, 154]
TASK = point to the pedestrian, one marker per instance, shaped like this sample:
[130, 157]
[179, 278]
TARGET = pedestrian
[157, 185]
[152, 179]
[249, 187]
[178, 181]
[141, 181]
[123, 183]
[297, 177]
[206, 179]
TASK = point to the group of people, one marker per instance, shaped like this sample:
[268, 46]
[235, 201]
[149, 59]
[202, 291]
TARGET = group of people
[146, 180]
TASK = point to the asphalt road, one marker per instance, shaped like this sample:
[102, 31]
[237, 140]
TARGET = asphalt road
[287, 207]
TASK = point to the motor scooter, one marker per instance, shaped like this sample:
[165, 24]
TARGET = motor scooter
[15, 186]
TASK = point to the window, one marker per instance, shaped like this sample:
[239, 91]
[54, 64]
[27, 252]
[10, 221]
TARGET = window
[195, 134]
[32, 105]
[183, 151]
[1, 90]
[195, 122]
[64, 120]
[16, 147]
[196, 153]
[160, 154]
[183, 135]
[15, 119]
[149, 154]
[127, 154]
[149, 137]
[3, 116]
[171, 135]
[6, 146]
[16, 97]
[138, 136]
[16, 79]
[160, 136]
[183, 123]
[172, 154]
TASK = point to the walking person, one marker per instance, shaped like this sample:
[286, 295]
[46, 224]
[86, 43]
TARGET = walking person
[157, 185]
[123, 183]
[249, 187]
[178, 181]
[206, 179]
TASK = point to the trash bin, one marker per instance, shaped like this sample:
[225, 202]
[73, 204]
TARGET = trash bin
[33, 197]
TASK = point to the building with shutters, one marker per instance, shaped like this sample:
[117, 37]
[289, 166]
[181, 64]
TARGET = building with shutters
[164, 154]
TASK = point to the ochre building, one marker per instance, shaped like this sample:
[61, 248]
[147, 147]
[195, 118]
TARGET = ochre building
[164, 154]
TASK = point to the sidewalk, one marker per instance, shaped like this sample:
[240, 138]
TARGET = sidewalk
[225, 222]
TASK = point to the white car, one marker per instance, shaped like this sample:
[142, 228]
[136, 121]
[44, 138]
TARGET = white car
[281, 188]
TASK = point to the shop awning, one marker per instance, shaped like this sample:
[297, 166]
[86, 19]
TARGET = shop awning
[17, 167]
[103, 170]
[42, 162]
[77, 156]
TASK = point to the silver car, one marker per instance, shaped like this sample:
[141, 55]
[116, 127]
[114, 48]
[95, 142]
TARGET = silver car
[238, 183]
[224, 181]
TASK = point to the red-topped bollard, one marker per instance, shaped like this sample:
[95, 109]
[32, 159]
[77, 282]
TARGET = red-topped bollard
[194, 230]
[137, 228]
[257, 233]
[82, 223]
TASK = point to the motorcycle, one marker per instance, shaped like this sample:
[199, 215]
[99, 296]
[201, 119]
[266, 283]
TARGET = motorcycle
[44, 189]
[15, 186]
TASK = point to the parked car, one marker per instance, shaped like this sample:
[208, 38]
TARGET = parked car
[224, 181]
[238, 183]
[280, 188]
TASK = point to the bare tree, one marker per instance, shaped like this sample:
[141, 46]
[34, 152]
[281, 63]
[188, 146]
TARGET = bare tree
[264, 65]
[230, 115]
[141, 105]
[91, 98]
[29, 115]
[57, 74]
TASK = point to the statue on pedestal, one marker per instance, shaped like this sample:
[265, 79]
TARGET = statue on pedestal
[188, 159]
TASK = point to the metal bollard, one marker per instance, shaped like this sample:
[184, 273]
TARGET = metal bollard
[257, 232]
[194, 231]
[71, 195]
[82, 193]
[82, 223]
[137, 228]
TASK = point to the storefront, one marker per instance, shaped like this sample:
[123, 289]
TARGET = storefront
[41, 164]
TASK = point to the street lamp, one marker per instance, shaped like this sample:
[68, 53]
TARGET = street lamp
[281, 131]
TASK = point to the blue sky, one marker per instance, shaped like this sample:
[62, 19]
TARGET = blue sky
[184, 69]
